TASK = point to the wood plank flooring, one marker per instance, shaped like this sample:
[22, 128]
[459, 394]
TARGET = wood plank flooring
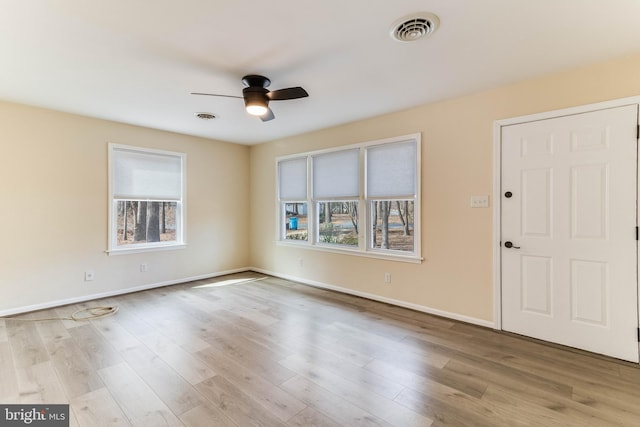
[251, 350]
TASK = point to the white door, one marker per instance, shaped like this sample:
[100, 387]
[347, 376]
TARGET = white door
[569, 248]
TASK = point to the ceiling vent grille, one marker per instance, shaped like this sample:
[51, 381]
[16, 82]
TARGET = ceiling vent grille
[414, 27]
[205, 116]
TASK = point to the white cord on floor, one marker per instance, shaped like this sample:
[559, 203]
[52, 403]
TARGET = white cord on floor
[90, 313]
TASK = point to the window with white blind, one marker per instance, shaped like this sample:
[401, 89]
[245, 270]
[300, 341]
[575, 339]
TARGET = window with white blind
[146, 194]
[391, 195]
[292, 193]
[363, 199]
[336, 197]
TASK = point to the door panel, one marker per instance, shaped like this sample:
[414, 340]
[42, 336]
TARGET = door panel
[589, 204]
[536, 284]
[536, 203]
[570, 276]
[589, 292]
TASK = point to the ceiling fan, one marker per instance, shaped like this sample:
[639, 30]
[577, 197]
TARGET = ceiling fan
[256, 95]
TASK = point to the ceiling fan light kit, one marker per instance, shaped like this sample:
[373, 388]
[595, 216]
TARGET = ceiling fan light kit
[257, 109]
[255, 100]
[256, 95]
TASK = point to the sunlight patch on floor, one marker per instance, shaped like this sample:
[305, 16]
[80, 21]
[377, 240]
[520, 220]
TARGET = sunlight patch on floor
[229, 282]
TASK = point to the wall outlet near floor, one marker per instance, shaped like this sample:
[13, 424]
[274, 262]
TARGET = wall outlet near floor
[88, 275]
[387, 277]
[144, 267]
[300, 261]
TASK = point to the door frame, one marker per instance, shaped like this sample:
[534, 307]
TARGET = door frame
[497, 186]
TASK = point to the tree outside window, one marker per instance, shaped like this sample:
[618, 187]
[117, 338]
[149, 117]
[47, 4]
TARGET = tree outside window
[338, 223]
[146, 221]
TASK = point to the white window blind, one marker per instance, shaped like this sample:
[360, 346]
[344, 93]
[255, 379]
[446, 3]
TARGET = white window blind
[292, 179]
[336, 174]
[391, 169]
[146, 176]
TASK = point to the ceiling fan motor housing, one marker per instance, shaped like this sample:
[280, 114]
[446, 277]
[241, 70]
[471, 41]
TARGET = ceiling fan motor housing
[255, 96]
[255, 80]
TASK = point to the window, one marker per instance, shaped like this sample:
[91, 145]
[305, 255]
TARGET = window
[361, 199]
[392, 225]
[292, 190]
[296, 221]
[338, 223]
[391, 194]
[146, 190]
[336, 193]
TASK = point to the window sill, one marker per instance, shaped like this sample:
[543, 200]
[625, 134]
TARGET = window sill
[414, 259]
[123, 251]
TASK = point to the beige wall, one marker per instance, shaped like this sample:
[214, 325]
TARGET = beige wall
[456, 277]
[53, 208]
[53, 193]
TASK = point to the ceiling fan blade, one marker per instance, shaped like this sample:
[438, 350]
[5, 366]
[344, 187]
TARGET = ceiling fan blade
[215, 94]
[287, 93]
[267, 116]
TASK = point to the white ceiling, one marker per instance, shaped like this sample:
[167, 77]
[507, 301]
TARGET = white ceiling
[136, 61]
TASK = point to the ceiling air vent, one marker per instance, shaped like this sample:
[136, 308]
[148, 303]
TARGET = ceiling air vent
[205, 116]
[414, 27]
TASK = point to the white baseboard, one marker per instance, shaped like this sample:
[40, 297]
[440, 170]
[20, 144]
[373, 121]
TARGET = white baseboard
[91, 297]
[84, 298]
[416, 307]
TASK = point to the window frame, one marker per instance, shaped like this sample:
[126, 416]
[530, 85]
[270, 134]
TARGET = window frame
[180, 241]
[364, 247]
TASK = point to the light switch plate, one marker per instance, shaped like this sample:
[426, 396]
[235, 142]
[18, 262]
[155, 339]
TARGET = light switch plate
[479, 201]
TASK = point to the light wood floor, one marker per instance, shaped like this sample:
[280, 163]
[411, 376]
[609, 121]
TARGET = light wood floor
[262, 351]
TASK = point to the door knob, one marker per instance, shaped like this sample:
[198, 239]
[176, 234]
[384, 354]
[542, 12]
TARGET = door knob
[509, 245]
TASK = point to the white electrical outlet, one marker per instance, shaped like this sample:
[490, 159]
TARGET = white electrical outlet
[479, 201]
[387, 277]
[300, 261]
[143, 267]
[88, 276]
